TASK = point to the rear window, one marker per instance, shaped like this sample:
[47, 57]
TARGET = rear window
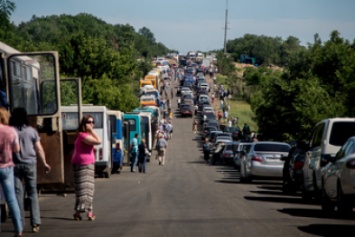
[341, 131]
[229, 147]
[272, 147]
[70, 120]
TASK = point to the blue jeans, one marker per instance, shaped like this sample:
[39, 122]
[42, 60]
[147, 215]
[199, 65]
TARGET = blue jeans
[7, 183]
[134, 161]
[28, 173]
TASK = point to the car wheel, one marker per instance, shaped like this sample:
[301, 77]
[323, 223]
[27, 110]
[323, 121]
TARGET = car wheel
[343, 203]
[328, 205]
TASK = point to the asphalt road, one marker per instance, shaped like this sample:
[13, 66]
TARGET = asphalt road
[186, 197]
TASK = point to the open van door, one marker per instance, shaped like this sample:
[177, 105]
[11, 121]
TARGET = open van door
[70, 90]
[32, 82]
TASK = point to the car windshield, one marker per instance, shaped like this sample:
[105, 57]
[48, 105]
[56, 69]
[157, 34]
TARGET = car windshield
[341, 131]
[271, 147]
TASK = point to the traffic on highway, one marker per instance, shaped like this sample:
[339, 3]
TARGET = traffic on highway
[215, 177]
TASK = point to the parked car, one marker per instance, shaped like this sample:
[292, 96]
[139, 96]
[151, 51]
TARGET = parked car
[211, 123]
[186, 110]
[206, 131]
[188, 102]
[235, 131]
[326, 139]
[292, 178]
[263, 160]
[206, 117]
[185, 90]
[338, 180]
[228, 152]
[217, 150]
[187, 96]
[212, 135]
[205, 85]
[224, 135]
[242, 149]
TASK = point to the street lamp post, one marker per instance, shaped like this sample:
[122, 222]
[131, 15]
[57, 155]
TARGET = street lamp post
[226, 28]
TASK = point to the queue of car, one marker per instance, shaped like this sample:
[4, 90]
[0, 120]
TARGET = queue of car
[322, 169]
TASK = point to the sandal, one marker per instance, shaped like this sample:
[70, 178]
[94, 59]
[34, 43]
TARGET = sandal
[91, 216]
[77, 216]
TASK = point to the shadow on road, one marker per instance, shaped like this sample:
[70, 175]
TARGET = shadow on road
[315, 213]
[293, 200]
[329, 230]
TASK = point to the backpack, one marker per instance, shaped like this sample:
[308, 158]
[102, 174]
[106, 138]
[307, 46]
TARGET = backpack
[246, 129]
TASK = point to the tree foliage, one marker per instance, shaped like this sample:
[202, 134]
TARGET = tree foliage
[317, 83]
[109, 59]
[267, 50]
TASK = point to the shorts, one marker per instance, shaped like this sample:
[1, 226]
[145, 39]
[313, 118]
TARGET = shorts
[161, 152]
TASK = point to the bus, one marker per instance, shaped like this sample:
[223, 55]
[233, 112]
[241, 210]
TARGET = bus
[133, 121]
[146, 127]
[116, 120]
[31, 80]
[103, 128]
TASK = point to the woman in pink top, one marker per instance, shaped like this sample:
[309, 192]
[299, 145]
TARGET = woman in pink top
[9, 143]
[83, 161]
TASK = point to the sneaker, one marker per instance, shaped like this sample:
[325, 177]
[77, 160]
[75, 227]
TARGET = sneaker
[77, 217]
[35, 228]
[91, 216]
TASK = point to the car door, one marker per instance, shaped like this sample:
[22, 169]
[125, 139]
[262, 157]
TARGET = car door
[312, 156]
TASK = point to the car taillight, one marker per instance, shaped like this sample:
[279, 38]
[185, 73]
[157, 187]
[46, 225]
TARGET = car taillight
[257, 158]
[324, 160]
[100, 154]
[351, 164]
[298, 165]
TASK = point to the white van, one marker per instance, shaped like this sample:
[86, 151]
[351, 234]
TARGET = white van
[326, 139]
[103, 157]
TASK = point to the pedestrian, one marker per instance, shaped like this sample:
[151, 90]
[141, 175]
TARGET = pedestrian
[9, 144]
[212, 98]
[142, 156]
[221, 105]
[194, 126]
[230, 123]
[206, 149]
[134, 152]
[161, 147]
[219, 115]
[172, 93]
[83, 161]
[117, 159]
[169, 130]
[226, 115]
[26, 166]
[178, 102]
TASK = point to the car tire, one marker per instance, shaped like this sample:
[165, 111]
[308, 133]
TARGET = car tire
[343, 203]
[328, 206]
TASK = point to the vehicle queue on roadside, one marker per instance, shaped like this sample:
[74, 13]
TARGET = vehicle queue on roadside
[326, 177]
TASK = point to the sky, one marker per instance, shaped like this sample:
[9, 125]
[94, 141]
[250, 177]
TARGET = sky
[189, 25]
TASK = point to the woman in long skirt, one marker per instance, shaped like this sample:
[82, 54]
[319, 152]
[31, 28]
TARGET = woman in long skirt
[83, 161]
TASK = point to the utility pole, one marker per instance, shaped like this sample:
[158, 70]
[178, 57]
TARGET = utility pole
[226, 28]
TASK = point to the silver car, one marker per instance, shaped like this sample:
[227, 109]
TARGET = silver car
[338, 180]
[263, 160]
[242, 149]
